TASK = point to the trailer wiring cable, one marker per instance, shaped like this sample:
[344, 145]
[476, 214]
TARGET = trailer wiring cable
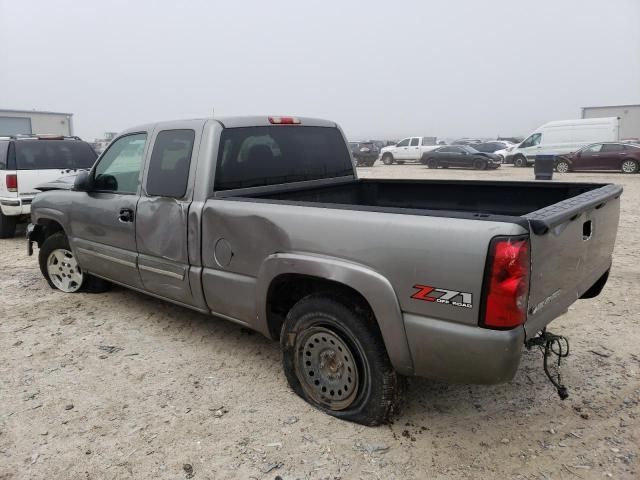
[552, 344]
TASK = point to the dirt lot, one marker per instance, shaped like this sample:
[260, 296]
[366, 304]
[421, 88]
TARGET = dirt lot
[120, 385]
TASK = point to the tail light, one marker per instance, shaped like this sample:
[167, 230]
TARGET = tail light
[506, 283]
[12, 182]
[284, 120]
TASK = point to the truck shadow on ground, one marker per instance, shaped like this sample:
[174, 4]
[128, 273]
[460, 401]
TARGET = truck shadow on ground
[423, 398]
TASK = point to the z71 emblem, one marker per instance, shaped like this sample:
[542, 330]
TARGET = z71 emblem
[440, 295]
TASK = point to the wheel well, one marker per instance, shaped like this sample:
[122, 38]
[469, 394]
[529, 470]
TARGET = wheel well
[47, 228]
[287, 289]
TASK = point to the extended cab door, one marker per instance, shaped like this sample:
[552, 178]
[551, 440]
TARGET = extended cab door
[163, 209]
[103, 220]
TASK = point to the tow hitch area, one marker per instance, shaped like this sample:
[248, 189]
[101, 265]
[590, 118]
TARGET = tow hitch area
[550, 344]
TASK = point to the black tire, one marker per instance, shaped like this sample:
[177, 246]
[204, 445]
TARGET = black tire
[373, 387]
[7, 226]
[562, 166]
[480, 164]
[387, 159]
[520, 161]
[432, 163]
[59, 240]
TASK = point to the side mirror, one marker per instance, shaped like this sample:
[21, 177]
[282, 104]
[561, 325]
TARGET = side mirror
[83, 182]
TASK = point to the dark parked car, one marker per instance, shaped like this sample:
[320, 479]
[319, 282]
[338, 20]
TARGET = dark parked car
[624, 157]
[460, 156]
[491, 147]
[364, 153]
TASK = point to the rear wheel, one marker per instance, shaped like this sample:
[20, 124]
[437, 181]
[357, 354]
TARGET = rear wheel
[335, 359]
[562, 166]
[60, 268]
[432, 163]
[480, 164]
[387, 159]
[520, 161]
[7, 226]
[629, 166]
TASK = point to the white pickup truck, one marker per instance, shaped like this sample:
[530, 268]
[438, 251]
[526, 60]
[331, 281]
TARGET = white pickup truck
[408, 149]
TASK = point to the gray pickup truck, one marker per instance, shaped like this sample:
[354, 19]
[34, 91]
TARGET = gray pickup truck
[264, 222]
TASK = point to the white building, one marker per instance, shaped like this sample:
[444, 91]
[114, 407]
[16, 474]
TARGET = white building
[629, 116]
[27, 122]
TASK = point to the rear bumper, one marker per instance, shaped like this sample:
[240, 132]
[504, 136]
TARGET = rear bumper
[457, 353]
[15, 206]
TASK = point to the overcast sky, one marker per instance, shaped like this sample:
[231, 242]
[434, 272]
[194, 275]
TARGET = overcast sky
[381, 69]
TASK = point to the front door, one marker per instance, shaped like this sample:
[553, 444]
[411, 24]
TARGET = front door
[103, 220]
[590, 157]
[402, 149]
[163, 211]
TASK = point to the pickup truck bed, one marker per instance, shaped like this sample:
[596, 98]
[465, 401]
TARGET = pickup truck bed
[475, 199]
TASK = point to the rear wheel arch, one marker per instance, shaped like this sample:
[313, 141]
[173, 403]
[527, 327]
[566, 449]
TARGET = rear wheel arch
[285, 279]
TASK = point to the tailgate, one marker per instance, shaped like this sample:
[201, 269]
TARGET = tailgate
[571, 248]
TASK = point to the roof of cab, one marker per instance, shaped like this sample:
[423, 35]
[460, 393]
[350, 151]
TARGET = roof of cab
[231, 122]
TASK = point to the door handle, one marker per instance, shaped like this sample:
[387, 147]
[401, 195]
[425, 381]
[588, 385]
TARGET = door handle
[126, 215]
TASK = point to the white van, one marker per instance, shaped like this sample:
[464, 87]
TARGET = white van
[564, 136]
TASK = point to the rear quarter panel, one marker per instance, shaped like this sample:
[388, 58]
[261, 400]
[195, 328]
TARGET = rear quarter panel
[407, 250]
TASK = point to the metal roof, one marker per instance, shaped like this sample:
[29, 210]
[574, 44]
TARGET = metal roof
[611, 106]
[2, 110]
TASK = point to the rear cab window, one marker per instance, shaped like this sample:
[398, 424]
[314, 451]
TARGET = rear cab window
[259, 156]
[52, 154]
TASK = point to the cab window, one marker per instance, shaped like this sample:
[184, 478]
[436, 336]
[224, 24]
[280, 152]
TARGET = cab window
[612, 147]
[169, 163]
[119, 167]
[415, 141]
[404, 143]
[593, 148]
[532, 141]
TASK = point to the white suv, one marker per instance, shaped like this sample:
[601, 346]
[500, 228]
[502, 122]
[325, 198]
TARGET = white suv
[26, 162]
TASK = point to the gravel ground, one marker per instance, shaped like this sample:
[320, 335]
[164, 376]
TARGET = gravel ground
[120, 385]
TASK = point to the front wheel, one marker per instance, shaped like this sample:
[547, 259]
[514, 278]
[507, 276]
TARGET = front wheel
[387, 159]
[335, 359]
[432, 163]
[480, 164]
[60, 268]
[520, 161]
[562, 166]
[629, 166]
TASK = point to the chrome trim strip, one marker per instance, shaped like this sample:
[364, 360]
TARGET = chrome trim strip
[107, 257]
[159, 271]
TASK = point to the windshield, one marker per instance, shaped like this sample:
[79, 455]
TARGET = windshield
[53, 154]
[257, 156]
